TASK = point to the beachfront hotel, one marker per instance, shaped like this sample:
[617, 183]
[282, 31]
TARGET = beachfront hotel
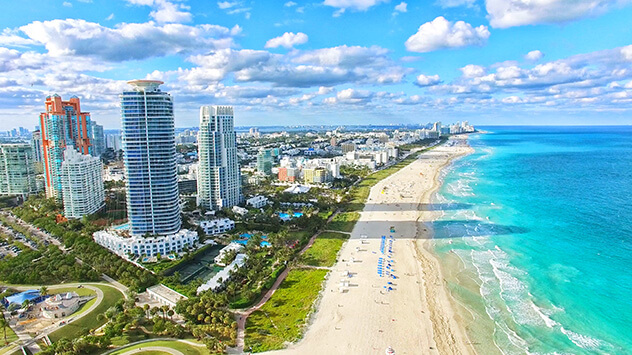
[17, 169]
[120, 242]
[62, 125]
[150, 159]
[219, 180]
[82, 184]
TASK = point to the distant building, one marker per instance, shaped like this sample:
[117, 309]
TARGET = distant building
[264, 161]
[288, 174]
[348, 147]
[98, 139]
[187, 186]
[123, 244]
[82, 184]
[114, 142]
[17, 170]
[217, 226]
[153, 202]
[219, 180]
[36, 143]
[62, 125]
[257, 201]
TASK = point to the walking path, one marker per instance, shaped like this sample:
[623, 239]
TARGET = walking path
[242, 315]
[154, 348]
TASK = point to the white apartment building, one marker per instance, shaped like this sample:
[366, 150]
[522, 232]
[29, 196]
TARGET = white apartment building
[257, 201]
[219, 180]
[217, 226]
[123, 244]
[82, 184]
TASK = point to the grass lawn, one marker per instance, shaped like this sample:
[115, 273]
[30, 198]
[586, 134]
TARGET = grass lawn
[110, 296]
[10, 335]
[324, 250]
[130, 337]
[344, 221]
[80, 291]
[184, 348]
[282, 318]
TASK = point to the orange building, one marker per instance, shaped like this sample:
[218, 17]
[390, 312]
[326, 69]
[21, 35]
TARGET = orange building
[62, 124]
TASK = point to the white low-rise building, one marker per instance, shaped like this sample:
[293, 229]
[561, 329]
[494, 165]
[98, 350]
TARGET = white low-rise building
[240, 210]
[221, 277]
[257, 201]
[165, 295]
[61, 305]
[123, 244]
[227, 249]
[217, 226]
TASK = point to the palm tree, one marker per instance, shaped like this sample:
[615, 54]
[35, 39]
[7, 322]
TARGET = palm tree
[43, 291]
[4, 324]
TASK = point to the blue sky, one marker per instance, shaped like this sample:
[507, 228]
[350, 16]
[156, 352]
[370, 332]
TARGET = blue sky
[326, 61]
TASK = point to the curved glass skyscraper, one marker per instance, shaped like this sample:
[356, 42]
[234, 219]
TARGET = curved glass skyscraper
[219, 181]
[150, 159]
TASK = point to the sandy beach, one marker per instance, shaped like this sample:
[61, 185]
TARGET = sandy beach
[417, 315]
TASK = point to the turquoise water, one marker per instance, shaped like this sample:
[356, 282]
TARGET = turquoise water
[542, 219]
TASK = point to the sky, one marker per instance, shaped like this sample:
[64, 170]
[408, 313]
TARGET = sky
[329, 62]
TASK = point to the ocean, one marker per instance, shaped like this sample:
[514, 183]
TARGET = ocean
[536, 239]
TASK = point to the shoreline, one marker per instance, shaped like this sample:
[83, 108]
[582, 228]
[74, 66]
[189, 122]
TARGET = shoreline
[418, 315]
[433, 271]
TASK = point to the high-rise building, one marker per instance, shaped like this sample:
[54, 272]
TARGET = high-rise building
[62, 125]
[150, 159]
[17, 169]
[113, 141]
[219, 181]
[264, 161]
[97, 139]
[82, 184]
[36, 144]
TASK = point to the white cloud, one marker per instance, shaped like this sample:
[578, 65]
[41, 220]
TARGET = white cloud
[427, 80]
[227, 4]
[66, 4]
[509, 13]
[402, 7]
[455, 3]
[164, 11]
[472, 71]
[534, 56]
[441, 33]
[344, 56]
[110, 17]
[234, 8]
[351, 96]
[170, 13]
[358, 5]
[289, 4]
[287, 40]
[321, 67]
[627, 52]
[128, 40]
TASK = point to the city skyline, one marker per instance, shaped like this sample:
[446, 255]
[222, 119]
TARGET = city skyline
[375, 61]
